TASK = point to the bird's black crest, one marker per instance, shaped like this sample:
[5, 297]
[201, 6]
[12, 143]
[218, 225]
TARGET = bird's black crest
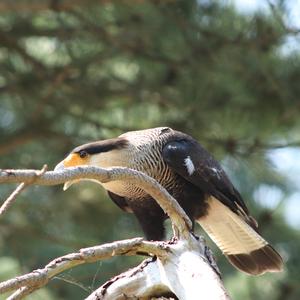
[102, 146]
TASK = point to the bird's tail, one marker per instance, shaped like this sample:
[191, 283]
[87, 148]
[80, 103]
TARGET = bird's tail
[242, 245]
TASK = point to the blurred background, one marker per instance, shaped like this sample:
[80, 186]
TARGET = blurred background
[226, 72]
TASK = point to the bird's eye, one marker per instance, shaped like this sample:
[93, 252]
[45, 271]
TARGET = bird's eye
[83, 154]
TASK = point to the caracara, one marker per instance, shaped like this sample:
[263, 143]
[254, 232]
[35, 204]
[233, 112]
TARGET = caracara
[194, 178]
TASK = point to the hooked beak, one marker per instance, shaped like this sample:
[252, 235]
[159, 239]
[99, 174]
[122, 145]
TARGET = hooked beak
[60, 167]
[68, 184]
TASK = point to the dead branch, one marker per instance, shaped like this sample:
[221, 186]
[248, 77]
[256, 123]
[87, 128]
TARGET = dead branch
[178, 217]
[40, 277]
[185, 272]
[183, 266]
[9, 201]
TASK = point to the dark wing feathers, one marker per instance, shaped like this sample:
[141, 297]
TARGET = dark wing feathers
[227, 221]
[207, 174]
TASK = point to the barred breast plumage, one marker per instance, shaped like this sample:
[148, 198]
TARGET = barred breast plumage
[194, 178]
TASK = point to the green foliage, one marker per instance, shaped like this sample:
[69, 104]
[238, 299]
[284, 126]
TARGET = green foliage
[83, 71]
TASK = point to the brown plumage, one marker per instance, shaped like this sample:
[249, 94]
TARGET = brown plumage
[193, 177]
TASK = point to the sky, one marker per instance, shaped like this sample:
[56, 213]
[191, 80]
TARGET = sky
[248, 6]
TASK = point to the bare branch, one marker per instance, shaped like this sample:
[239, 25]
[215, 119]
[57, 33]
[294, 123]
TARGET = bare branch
[21, 293]
[184, 273]
[181, 266]
[9, 201]
[181, 222]
[40, 277]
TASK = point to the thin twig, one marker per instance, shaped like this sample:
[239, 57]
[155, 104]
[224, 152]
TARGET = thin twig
[22, 293]
[73, 281]
[9, 201]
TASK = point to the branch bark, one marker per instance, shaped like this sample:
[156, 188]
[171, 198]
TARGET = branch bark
[180, 221]
[185, 272]
[40, 277]
[183, 267]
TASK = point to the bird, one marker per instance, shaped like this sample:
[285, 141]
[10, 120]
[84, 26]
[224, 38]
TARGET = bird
[194, 178]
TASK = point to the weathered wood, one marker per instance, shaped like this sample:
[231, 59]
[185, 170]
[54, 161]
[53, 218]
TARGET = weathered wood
[181, 267]
[184, 271]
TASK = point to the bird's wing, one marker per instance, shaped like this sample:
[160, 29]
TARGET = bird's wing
[196, 165]
[148, 213]
[119, 201]
[227, 220]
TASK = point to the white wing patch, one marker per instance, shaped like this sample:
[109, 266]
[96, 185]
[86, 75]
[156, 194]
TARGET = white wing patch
[189, 165]
[217, 172]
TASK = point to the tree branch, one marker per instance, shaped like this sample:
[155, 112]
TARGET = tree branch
[40, 277]
[9, 201]
[178, 217]
[183, 266]
[185, 272]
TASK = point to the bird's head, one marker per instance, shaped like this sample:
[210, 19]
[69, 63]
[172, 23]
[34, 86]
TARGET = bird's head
[105, 154]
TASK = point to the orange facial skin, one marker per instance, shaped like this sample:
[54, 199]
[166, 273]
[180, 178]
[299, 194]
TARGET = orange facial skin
[74, 159]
